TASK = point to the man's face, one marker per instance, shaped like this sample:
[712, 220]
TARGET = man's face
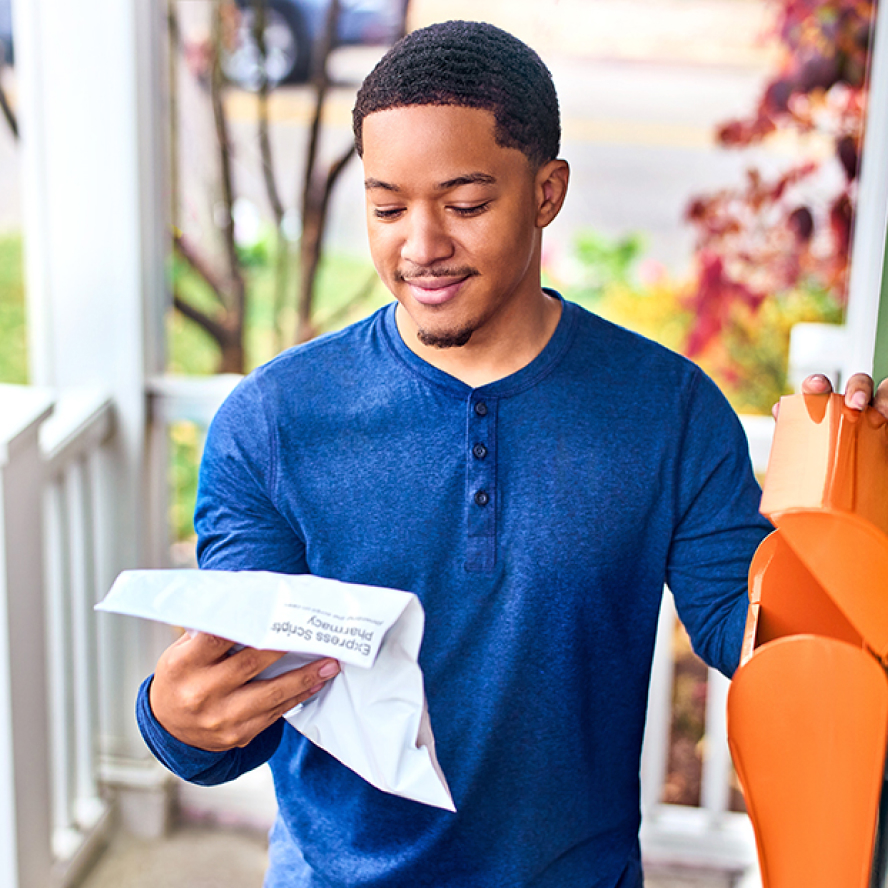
[453, 220]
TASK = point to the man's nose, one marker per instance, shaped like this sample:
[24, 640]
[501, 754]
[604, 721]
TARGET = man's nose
[427, 240]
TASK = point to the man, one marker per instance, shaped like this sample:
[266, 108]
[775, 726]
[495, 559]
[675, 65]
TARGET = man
[533, 473]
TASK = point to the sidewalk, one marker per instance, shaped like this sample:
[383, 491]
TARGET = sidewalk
[191, 857]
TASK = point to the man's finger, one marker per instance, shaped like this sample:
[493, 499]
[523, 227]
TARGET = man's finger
[859, 391]
[199, 648]
[261, 703]
[880, 399]
[298, 682]
[816, 384]
[244, 665]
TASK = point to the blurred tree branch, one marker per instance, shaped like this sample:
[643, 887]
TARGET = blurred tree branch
[215, 328]
[226, 325]
[317, 184]
[200, 266]
[282, 246]
[319, 181]
[236, 297]
[8, 112]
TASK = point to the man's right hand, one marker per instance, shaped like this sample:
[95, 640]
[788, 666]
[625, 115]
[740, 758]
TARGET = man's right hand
[205, 696]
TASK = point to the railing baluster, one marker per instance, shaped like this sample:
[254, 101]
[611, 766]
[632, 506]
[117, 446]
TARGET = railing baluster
[715, 792]
[100, 489]
[655, 758]
[65, 838]
[87, 806]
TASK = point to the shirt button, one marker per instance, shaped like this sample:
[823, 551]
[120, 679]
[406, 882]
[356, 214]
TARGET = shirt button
[479, 451]
[482, 498]
[481, 408]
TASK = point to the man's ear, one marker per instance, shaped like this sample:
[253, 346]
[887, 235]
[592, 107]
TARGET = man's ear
[551, 189]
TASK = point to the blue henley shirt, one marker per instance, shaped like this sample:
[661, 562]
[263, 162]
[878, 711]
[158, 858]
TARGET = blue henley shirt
[537, 518]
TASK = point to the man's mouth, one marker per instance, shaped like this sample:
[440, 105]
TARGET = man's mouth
[435, 288]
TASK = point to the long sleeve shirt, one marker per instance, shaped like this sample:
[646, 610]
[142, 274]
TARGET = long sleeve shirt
[538, 519]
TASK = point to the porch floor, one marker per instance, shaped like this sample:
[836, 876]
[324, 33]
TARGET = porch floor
[213, 857]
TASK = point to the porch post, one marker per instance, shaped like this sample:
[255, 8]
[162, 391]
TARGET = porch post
[867, 321]
[25, 817]
[880, 358]
[93, 149]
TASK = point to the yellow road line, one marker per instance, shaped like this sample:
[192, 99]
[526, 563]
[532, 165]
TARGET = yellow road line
[294, 107]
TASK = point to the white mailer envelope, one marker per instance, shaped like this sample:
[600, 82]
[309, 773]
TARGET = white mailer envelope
[373, 716]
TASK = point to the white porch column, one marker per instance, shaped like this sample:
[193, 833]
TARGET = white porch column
[93, 147]
[871, 227]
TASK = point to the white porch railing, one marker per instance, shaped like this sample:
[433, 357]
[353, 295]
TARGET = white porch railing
[56, 536]
[61, 766]
[709, 836]
[79, 530]
[61, 697]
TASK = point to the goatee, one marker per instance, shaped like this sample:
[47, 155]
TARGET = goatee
[445, 340]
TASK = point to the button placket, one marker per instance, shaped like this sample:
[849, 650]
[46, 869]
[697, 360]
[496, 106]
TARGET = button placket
[481, 489]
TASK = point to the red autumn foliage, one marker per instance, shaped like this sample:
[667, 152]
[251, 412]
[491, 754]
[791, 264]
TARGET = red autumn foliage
[766, 237]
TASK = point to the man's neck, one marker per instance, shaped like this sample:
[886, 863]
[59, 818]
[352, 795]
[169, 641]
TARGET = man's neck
[487, 357]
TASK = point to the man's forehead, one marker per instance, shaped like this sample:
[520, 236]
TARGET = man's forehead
[443, 143]
[430, 116]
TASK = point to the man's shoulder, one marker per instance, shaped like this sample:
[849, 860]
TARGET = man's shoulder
[623, 353]
[608, 361]
[319, 372]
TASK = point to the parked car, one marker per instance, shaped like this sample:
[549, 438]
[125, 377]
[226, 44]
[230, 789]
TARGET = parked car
[293, 29]
[6, 31]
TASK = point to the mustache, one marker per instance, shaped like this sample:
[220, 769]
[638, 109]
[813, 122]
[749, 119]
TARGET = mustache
[419, 272]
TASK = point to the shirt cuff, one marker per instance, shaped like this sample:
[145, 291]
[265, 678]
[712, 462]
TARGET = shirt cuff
[200, 765]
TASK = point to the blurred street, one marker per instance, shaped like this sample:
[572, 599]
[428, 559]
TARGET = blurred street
[642, 85]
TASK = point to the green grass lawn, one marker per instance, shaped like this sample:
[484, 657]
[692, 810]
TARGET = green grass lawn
[190, 349]
[13, 337]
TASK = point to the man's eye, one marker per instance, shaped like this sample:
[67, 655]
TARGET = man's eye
[474, 210]
[387, 213]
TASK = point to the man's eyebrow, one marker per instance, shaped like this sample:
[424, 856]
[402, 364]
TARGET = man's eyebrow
[371, 183]
[468, 179]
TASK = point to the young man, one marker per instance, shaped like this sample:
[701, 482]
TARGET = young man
[533, 473]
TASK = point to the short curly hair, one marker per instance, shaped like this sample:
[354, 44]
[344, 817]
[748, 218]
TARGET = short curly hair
[475, 65]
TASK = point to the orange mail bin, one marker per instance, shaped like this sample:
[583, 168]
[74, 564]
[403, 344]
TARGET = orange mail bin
[808, 707]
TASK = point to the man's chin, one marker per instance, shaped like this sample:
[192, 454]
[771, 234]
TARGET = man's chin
[453, 339]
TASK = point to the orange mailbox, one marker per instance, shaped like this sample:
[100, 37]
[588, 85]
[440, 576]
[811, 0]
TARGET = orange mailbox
[808, 707]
